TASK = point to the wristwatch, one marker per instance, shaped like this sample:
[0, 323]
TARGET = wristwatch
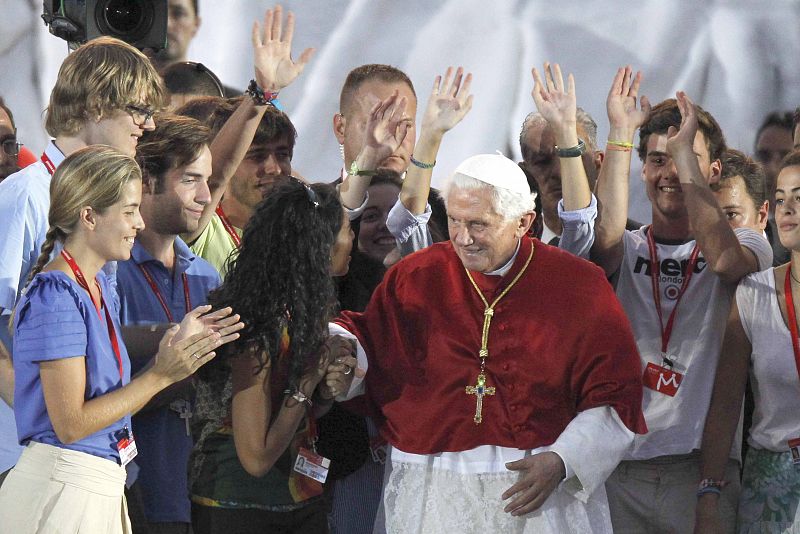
[355, 171]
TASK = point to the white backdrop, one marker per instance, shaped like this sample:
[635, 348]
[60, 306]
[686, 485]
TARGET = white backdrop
[737, 58]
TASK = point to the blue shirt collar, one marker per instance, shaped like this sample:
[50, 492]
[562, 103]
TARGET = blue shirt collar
[183, 255]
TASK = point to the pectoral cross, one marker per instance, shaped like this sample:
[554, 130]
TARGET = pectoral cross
[479, 390]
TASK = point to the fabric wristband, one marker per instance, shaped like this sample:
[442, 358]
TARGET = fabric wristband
[261, 97]
[622, 144]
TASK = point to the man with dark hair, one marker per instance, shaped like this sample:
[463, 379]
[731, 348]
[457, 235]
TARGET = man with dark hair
[187, 80]
[9, 147]
[741, 191]
[690, 256]
[158, 285]
[253, 144]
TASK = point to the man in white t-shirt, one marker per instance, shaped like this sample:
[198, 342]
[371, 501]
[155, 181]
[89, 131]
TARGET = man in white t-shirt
[675, 279]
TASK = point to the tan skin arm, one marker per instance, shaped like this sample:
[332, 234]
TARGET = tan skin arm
[64, 385]
[385, 130]
[558, 106]
[259, 442]
[723, 416]
[613, 181]
[448, 104]
[725, 255]
[274, 70]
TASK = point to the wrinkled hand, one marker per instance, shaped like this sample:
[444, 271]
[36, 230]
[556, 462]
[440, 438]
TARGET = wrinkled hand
[386, 128]
[555, 104]
[541, 474]
[449, 102]
[199, 320]
[621, 101]
[272, 51]
[683, 139]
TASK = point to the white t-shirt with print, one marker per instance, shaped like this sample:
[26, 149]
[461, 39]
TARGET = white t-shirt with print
[676, 423]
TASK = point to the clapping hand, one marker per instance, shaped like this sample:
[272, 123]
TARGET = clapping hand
[683, 139]
[272, 50]
[449, 102]
[199, 320]
[623, 115]
[555, 104]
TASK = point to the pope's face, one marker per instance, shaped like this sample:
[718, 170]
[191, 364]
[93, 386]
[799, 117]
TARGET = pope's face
[482, 238]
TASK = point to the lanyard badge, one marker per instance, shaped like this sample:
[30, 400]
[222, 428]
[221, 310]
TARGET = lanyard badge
[308, 462]
[126, 447]
[663, 378]
[794, 444]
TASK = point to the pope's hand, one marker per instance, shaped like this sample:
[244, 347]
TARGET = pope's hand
[541, 474]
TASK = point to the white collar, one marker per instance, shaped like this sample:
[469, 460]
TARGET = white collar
[507, 267]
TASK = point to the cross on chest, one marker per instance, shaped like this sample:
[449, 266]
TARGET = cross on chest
[480, 389]
[184, 411]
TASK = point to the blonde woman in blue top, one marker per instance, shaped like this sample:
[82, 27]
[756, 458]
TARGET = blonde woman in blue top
[74, 394]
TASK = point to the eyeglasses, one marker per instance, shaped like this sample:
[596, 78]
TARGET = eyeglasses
[140, 114]
[310, 193]
[11, 146]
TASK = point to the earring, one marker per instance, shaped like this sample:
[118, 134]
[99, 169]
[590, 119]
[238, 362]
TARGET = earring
[341, 150]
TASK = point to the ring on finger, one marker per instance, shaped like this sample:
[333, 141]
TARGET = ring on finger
[348, 370]
[196, 356]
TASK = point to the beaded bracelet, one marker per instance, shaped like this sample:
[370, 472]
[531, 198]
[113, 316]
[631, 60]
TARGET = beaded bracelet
[420, 164]
[707, 490]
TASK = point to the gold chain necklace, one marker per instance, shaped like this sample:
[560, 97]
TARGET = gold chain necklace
[480, 389]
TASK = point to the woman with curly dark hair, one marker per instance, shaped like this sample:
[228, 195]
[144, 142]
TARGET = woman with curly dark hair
[255, 419]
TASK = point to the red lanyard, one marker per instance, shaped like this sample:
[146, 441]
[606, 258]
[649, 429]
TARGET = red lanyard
[666, 333]
[160, 298]
[112, 335]
[787, 294]
[228, 226]
[48, 164]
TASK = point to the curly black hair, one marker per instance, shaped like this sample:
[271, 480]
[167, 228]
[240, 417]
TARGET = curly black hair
[281, 277]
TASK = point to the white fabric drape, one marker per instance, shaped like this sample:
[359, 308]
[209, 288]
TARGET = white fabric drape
[737, 58]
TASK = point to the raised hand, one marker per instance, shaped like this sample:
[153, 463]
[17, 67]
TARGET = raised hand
[386, 128]
[683, 139]
[555, 102]
[449, 103]
[272, 50]
[621, 102]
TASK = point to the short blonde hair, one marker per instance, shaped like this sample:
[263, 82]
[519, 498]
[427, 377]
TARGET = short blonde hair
[100, 77]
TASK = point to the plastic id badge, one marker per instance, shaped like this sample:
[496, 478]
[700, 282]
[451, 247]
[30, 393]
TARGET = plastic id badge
[661, 379]
[312, 465]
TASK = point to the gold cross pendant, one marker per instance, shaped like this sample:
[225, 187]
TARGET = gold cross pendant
[479, 390]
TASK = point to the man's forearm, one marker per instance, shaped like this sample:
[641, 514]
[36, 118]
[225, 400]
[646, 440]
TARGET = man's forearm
[715, 237]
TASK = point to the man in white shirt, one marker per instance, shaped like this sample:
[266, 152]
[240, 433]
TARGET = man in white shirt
[690, 256]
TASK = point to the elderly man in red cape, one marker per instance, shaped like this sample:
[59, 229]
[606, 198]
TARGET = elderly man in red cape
[503, 370]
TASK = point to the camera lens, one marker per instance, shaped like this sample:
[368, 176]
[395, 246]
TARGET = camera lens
[123, 16]
[128, 20]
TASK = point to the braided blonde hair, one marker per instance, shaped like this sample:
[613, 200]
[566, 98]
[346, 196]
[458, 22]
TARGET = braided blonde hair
[92, 176]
